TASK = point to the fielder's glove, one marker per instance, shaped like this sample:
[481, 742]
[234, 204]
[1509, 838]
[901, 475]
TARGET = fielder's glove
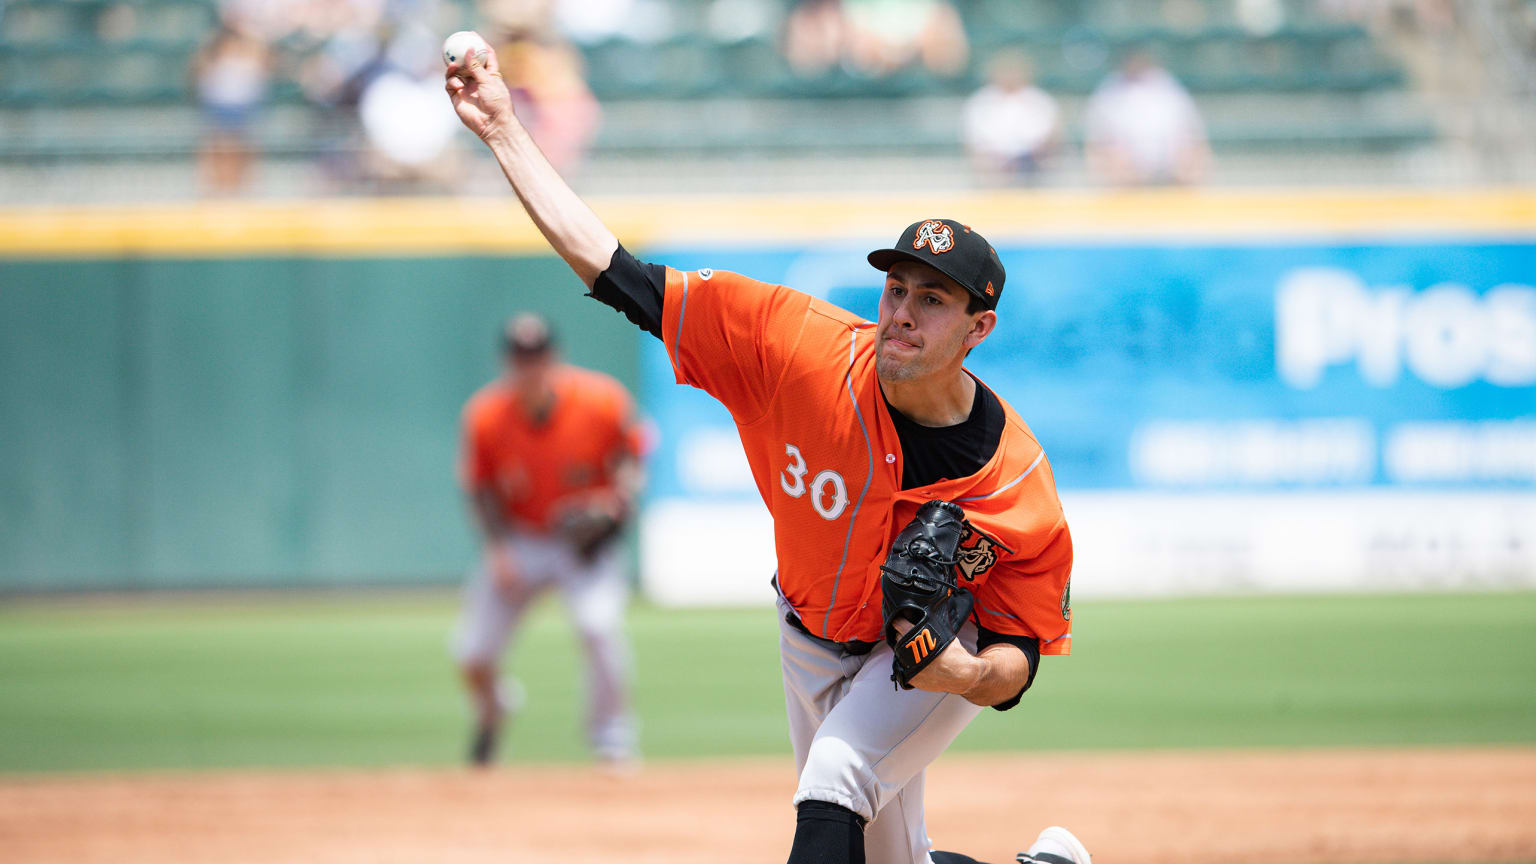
[591, 528]
[918, 583]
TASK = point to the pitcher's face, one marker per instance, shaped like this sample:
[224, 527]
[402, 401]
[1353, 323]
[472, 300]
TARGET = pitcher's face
[924, 327]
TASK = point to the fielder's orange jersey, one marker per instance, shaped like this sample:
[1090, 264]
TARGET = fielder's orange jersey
[798, 376]
[536, 468]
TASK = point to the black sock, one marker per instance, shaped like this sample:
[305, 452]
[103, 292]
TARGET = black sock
[827, 834]
[952, 858]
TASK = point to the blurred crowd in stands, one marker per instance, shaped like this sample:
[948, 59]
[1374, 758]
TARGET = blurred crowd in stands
[373, 67]
[1431, 15]
[379, 61]
[875, 37]
[316, 97]
[376, 62]
[372, 61]
[1141, 126]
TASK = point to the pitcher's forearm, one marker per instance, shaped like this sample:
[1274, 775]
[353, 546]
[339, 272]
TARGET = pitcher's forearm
[570, 226]
[1003, 671]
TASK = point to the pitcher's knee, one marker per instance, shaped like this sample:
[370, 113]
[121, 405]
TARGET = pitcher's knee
[837, 774]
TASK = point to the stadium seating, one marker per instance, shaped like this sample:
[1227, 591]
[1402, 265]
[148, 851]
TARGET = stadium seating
[1311, 74]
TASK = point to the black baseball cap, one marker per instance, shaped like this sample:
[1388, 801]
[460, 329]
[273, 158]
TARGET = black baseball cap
[952, 249]
[527, 335]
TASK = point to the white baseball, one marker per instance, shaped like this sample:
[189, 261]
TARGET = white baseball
[465, 45]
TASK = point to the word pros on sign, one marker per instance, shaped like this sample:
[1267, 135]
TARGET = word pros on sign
[1446, 335]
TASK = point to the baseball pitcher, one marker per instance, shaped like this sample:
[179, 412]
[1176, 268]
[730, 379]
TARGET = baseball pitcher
[923, 558]
[550, 464]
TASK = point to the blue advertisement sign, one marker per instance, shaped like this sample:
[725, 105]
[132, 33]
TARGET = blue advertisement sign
[1229, 366]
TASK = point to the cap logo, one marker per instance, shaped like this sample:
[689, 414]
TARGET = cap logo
[990, 292]
[936, 236]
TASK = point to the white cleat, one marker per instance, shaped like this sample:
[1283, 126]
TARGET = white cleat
[619, 766]
[1056, 845]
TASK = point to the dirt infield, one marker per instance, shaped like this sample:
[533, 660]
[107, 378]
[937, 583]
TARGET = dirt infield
[1447, 805]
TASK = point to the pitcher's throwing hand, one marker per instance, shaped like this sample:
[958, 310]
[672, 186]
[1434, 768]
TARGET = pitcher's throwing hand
[479, 95]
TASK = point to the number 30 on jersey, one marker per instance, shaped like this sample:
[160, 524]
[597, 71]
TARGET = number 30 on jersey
[829, 493]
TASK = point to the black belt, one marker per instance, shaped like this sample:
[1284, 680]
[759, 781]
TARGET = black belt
[856, 648]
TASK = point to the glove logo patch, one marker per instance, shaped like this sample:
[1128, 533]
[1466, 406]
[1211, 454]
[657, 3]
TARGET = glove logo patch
[977, 558]
[921, 645]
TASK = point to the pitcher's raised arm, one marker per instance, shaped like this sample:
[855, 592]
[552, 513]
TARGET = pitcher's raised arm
[482, 102]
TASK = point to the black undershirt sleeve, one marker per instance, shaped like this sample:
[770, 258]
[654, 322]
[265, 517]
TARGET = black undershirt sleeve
[1028, 644]
[634, 288]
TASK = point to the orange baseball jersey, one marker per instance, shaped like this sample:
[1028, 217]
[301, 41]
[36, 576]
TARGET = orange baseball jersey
[537, 468]
[798, 376]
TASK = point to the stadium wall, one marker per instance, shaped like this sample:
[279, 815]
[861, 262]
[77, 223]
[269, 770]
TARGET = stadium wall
[253, 421]
[1239, 391]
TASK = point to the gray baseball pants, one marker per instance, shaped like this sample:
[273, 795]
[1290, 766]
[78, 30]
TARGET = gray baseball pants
[863, 744]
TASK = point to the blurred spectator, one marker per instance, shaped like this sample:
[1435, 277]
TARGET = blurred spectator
[1142, 127]
[546, 75]
[314, 21]
[732, 21]
[500, 17]
[1260, 17]
[408, 137]
[548, 83]
[586, 22]
[1430, 16]
[387, 74]
[230, 79]
[887, 35]
[1185, 17]
[591, 21]
[875, 37]
[1011, 125]
[814, 35]
[115, 23]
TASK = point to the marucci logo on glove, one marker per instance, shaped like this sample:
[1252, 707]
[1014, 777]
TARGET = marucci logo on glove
[921, 645]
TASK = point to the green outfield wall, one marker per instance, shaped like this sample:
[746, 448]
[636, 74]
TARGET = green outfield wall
[172, 421]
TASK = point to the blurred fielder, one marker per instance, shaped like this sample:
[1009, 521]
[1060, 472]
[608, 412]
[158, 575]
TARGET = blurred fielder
[551, 467]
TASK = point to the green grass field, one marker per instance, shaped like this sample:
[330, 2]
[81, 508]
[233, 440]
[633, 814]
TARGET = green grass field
[364, 679]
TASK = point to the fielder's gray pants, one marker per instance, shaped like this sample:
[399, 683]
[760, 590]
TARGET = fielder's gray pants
[596, 594]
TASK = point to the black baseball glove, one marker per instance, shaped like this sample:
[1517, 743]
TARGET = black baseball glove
[918, 583]
[591, 528]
